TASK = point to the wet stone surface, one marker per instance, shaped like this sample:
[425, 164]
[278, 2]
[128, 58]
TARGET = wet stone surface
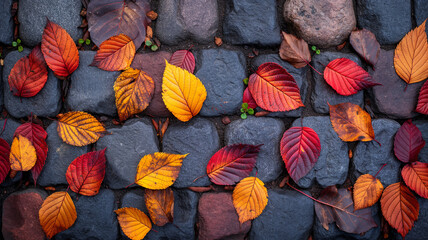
[6, 22]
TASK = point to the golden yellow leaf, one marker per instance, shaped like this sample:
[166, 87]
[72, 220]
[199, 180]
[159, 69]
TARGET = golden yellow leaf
[160, 204]
[57, 213]
[79, 128]
[134, 223]
[249, 198]
[158, 170]
[182, 92]
[411, 56]
[22, 154]
[367, 190]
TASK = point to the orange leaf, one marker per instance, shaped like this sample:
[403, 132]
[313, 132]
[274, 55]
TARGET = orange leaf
[79, 128]
[160, 204]
[115, 53]
[415, 175]
[59, 50]
[294, 50]
[399, 207]
[22, 154]
[367, 190]
[250, 198]
[351, 122]
[57, 213]
[411, 56]
[134, 91]
[134, 223]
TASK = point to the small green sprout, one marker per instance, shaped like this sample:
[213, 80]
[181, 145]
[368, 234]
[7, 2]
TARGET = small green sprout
[81, 41]
[245, 110]
[316, 50]
[14, 44]
[148, 43]
[88, 41]
[17, 43]
[154, 48]
[20, 48]
[245, 81]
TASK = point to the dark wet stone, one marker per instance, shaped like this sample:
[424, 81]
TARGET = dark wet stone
[1, 88]
[6, 22]
[421, 12]
[423, 127]
[9, 129]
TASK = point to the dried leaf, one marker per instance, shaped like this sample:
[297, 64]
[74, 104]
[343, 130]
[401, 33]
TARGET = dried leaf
[365, 44]
[250, 198]
[294, 50]
[218, 41]
[422, 106]
[248, 98]
[149, 33]
[408, 142]
[415, 175]
[152, 15]
[4, 159]
[22, 154]
[115, 54]
[160, 204]
[134, 223]
[183, 59]
[367, 190]
[182, 92]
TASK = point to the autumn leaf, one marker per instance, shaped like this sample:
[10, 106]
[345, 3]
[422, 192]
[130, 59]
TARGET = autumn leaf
[399, 207]
[422, 106]
[411, 56]
[300, 149]
[4, 159]
[29, 75]
[86, 173]
[183, 59]
[415, 175]
[346, 77]
[232, 163]
[57, 213]
[365, 44]
[182, 92]
[274, 89]
[250, 198]
[248, 98]
[294, 50]
[160, 204]
[158, 170]
[79, 128]
[408, 142]
[351, 122]
[367, 190]
[59, 50]
[37, 136]
[22, 154]
[115, 54]
[343, 213]
[134, 223]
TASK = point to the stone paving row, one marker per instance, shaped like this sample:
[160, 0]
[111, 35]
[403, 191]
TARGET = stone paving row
[245, 24]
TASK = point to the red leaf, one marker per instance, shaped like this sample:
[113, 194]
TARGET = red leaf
[248, 98]
[415, 176]
[274, 89]
[365, 44]
[86, 173]
[408, 142]
[37, 136]
[346, 77]
[29, 74]
[183, 59]
[300, 149]
[59, 50]
[115, 53]
[4, 159]
[232, 163]
[422, 106]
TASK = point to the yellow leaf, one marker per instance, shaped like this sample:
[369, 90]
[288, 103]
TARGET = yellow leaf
[367, 190]
[249, 198]
[182, 92]
[57, 213]
[134, 223]
[160, 204]
[22, 154]
[134, 91]
[79, 128]
[158, 170]
[411, 56]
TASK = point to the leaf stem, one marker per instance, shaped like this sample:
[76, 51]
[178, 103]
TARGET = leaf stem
[130, 185]
[377, 142]
[4, 126]
[380, 169]
[312, 67]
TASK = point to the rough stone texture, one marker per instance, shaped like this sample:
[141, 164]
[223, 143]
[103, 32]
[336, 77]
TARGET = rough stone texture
[91, 89]
[20, 219]
[6, 22]
[198, 138]
[322, 92]
[32, 15]
[95, 218]
[420, 229]
[421, 12]
[261, 130]
[60, 155]
[47, 103]
[185, 206]
[221, 71]
[321, 23]
[423, 127]
[289, 207]
[218, 218]
[9, 129]
[251, 22]
[154, 65]
[369, 156]
[299, 74]
[332, 165]
[390, 97]
[389, 20]
[184, 19]
[125, 148]
[1, 89]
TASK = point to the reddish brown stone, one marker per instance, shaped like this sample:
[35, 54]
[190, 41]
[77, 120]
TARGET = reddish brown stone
[21, 215]
[218, 218]
[154, 65]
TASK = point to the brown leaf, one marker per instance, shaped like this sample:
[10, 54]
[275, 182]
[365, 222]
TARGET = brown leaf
[152, 15]
[149, 32]
[365, 44]
[160, 204]
[294, 50]
[218, 41]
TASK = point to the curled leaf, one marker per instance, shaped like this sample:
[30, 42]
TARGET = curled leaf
[250, 198]
[22, 154]
[115, 54]
[408, 142]
[160, 204]
[134, 223]
[367, 191]
[294, 50]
